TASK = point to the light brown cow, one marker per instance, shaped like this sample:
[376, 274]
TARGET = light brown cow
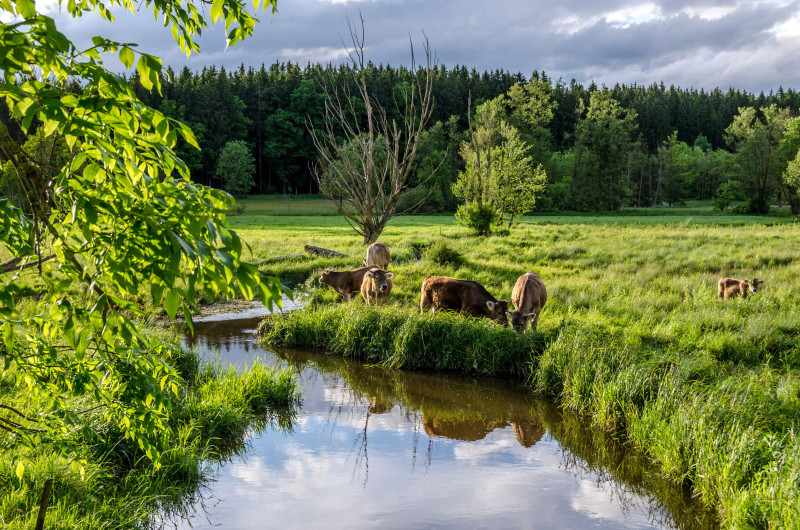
[528, 296]
[470, 298]
[378, 255]
[731, 288]
[346, 282]
[376, 286]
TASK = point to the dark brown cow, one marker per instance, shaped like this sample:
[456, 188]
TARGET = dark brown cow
[378, 255]
[471, 298]
[376, 286]
[731, 288]
[346, 282]
[528, 296]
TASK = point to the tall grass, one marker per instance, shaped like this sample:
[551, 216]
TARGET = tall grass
[633, 335]
[400, 337]
[119, 488]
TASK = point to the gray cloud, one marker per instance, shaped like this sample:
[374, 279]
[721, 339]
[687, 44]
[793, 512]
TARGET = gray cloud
[690, 43]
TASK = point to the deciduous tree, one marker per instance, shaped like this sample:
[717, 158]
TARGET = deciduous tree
[235, 168]
[120, 223]
[368, 191]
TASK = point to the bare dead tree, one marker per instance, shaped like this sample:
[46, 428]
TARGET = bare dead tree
[366, 158]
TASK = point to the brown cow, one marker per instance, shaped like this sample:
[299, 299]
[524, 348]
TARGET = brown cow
[377, 255]
[528, 296]
[731, 288]
[345, 282]
[376, 286]
[471, 298]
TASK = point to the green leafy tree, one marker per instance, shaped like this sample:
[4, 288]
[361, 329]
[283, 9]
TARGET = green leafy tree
[726, 194]
[607, 133]
[120, 223]
[531, 109]
[235, 168]
[517, 183]
[789, 151]
[757, 142]
[674, 170]
[499, 181]
[474, 184]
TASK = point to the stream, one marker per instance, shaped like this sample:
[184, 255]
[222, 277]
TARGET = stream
[375, 448]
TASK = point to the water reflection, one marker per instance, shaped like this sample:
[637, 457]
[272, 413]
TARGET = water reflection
[380, 448]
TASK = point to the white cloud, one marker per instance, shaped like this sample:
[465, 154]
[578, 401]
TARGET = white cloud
[319, 54]
[636, 14]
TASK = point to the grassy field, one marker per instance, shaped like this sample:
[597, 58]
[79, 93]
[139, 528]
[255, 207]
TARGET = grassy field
[633, 335]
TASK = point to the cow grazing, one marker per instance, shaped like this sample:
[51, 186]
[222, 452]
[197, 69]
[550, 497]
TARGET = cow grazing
[377, 255]
[346, 282]
[470, 298]
[528, 296]
[731, 288]
[376, 286]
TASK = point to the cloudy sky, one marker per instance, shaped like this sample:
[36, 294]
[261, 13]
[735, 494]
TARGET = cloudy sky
[746, 44]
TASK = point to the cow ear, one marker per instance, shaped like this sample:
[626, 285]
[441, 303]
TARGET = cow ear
[509, 314]
[369, 274]
[490, 305]
[389, 275]
[529, 315]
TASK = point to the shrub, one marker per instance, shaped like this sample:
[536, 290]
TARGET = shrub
[441, 254]
[477, 219]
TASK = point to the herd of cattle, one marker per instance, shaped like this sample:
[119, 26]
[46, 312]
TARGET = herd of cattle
[529, 295]
[374, 283]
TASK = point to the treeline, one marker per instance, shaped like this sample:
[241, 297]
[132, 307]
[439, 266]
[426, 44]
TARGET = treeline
[635, 146]
[657, 145]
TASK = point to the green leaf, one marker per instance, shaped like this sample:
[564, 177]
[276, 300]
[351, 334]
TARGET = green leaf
[126, 56]
[144, 72]
[26, 8]
[171, 304]
[216, 10]
[20, 470]
[156, 292]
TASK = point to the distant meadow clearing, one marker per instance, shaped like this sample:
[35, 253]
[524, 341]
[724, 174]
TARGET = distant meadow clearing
[633, 334]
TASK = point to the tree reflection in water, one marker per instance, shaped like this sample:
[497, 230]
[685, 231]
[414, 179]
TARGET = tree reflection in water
[439, 415]
[468, 408]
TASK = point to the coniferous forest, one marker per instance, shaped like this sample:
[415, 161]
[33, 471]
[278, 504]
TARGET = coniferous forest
[602, 148]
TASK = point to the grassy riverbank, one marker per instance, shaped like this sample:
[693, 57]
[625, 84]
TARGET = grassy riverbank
[119, 487]
[633, 334]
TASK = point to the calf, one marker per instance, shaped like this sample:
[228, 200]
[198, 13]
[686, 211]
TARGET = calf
[346, 282]
[528, 296]
[470, 298]
[377, 255]
[376, 286]
[730, 288]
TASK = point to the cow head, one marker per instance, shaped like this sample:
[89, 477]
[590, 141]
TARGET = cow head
[381, 278]
[498, 310]
[519, 320]
[755, 284]
[326, 274]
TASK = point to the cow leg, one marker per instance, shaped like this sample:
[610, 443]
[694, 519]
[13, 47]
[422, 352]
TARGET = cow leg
[424, 302]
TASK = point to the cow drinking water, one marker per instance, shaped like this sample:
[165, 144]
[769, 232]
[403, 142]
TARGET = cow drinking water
[470, 298]
[346, 282]
[528, 296]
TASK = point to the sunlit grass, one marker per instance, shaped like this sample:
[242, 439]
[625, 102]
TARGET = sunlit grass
[633, 335]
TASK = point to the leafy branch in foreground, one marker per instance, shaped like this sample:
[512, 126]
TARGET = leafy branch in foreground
[118, 223]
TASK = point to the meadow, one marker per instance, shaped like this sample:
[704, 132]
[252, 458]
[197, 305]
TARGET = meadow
[633, 335]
